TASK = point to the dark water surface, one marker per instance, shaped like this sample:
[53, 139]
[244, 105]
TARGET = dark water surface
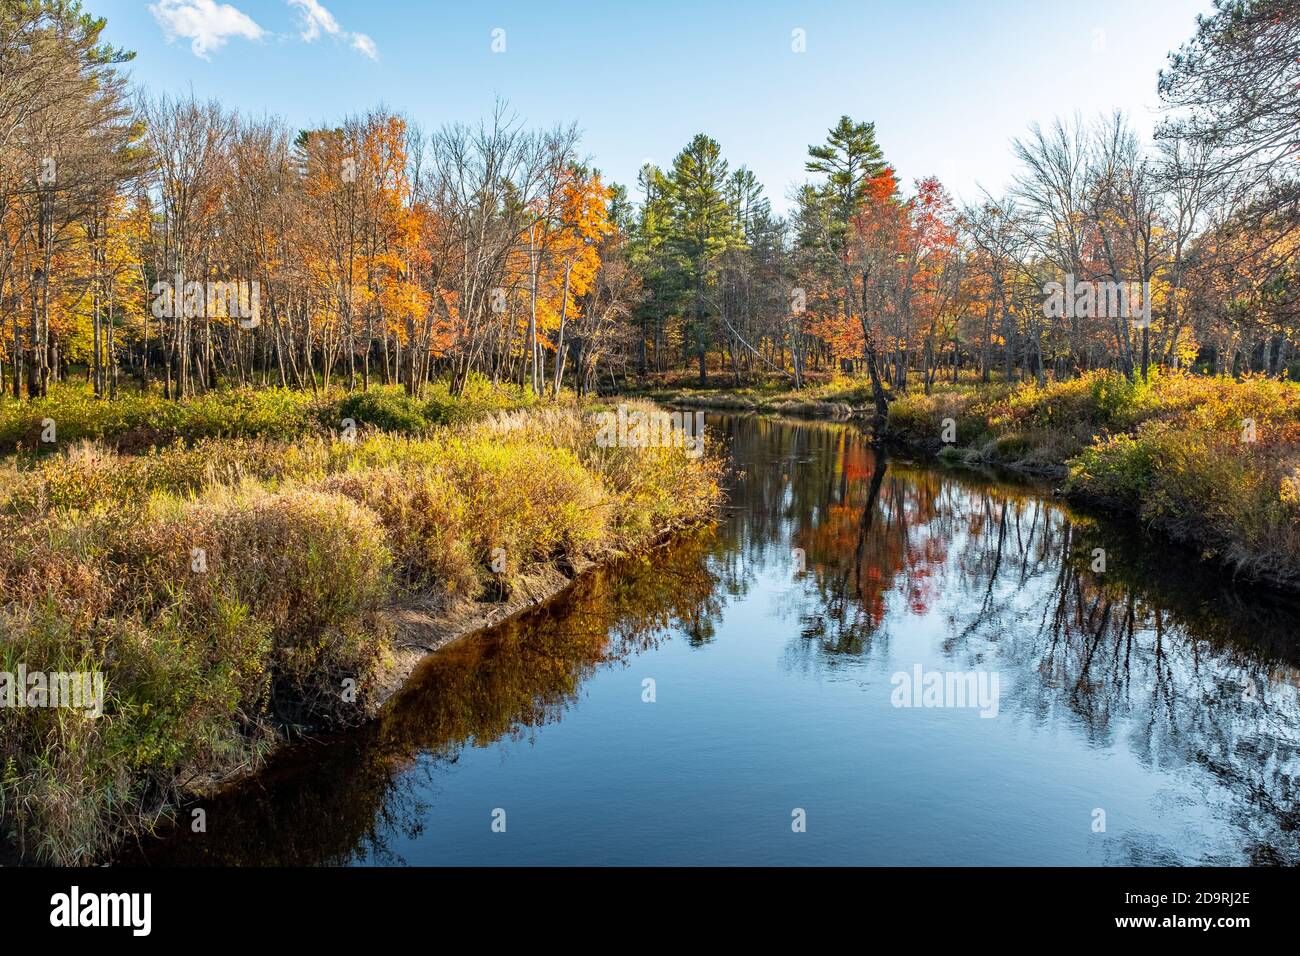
[1152, 698]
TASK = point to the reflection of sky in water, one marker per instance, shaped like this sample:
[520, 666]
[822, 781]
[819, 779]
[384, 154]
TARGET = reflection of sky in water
[1123, 691]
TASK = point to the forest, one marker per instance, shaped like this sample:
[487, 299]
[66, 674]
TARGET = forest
[140, 231]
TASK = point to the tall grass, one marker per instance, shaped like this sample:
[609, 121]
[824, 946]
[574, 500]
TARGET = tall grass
[231, 588]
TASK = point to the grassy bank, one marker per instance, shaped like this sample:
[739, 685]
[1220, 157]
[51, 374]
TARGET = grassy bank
[230, 588]
[836, 398]
[1213, 463]
[1209, 462]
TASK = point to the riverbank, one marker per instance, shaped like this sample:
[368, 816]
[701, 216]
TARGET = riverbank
[1211, 463]
[233, 592]
[840, 399]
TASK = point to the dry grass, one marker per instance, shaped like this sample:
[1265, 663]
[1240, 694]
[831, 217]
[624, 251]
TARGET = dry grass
[229, 588]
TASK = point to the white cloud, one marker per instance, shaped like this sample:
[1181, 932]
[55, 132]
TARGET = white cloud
[315, 20]
[364, 44]
[205, 23]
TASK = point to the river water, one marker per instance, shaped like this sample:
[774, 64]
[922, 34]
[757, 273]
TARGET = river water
[1078, 694]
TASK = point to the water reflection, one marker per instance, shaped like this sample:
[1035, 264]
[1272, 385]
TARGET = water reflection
[842, 567]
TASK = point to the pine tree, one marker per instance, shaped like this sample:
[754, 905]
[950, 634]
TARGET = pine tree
[702, 228]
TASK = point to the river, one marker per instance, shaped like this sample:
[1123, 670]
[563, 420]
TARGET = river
[864, 662]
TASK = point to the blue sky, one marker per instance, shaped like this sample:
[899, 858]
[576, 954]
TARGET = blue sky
[947, 83]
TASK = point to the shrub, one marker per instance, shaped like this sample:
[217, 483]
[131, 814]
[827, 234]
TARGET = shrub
[425, 521]
[196, 663]
[312, 567]
[387, 409]
[1117, 471]
[137, 421]
[478, 399]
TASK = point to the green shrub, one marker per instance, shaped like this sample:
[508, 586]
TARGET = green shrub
[478, 399]
[388, 410]
[1118, 471]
